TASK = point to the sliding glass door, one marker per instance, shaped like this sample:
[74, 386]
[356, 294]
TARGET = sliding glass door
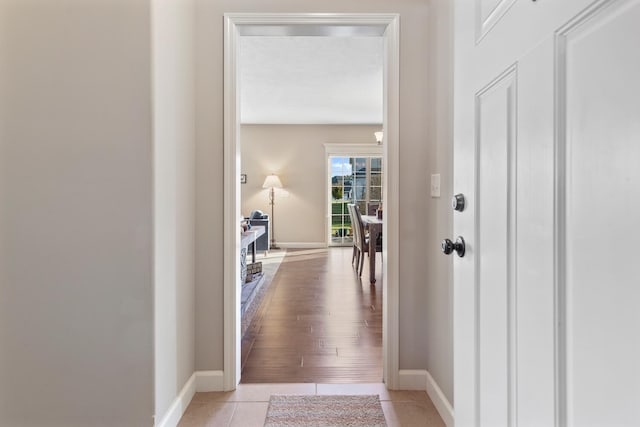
[352, 180]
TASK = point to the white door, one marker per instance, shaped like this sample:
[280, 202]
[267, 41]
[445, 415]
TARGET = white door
[547, 154]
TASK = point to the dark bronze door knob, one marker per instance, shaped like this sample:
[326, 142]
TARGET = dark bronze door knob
[458, 246]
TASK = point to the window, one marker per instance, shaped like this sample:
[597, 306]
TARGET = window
[353, 180]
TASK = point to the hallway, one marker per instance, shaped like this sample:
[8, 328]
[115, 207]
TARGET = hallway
[318, 323]
[247, 405]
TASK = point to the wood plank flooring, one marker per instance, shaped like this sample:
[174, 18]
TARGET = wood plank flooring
[319, 322]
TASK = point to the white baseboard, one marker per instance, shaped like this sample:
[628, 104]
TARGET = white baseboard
[209, 381]
[179, 405]
[200, 381]
[302, 245]
[440, 401]
[421, 379]
[412, 379]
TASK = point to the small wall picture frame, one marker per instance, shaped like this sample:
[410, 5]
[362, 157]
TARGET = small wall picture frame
[243, 178]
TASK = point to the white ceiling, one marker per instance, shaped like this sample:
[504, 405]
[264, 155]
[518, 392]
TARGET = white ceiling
[311, 80]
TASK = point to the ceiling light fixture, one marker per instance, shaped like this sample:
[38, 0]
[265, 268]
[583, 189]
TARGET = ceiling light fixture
[379, 136]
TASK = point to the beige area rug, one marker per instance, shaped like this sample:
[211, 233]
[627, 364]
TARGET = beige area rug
[270, 264]
[325, 411]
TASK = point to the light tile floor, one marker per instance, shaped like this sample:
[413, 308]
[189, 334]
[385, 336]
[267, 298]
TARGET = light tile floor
[247, 405]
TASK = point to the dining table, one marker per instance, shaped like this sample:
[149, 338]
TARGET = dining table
[374, 225]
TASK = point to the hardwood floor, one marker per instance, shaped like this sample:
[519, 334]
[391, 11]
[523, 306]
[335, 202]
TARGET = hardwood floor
[319, 322]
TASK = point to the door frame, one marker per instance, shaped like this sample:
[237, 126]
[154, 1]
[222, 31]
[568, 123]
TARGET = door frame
[386, 25]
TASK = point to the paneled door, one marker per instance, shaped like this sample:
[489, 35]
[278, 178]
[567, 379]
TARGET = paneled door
[547, 156]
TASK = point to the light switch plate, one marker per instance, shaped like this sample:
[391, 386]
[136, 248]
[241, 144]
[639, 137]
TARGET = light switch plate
[435, 185]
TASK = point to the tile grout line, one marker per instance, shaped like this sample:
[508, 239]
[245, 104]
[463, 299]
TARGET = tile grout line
[233, 413]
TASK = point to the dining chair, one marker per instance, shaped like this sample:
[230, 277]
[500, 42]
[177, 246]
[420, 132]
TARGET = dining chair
[354, 235]
[372, 208]
[361, 240]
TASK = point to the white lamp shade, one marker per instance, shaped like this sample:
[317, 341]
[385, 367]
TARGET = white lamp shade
[272, 181]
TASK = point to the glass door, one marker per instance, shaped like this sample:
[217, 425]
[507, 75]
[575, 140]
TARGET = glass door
[353, 180]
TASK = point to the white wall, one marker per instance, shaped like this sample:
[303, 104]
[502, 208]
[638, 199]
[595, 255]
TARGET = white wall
[297, 154]
[174, 181]
[76, 275]
[439, 301]
[421, 277]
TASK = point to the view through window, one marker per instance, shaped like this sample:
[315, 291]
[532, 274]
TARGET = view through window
[353, 180]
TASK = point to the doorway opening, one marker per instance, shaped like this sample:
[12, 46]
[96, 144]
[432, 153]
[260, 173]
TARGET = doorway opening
[237, 25]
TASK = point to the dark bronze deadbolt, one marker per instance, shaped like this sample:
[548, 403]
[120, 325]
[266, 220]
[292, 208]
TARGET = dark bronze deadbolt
[458, 202]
